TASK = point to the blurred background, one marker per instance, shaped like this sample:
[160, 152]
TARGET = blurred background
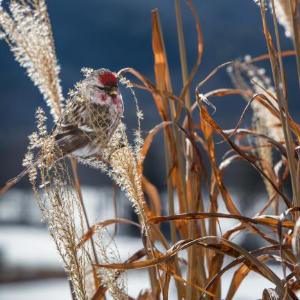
[116, 34]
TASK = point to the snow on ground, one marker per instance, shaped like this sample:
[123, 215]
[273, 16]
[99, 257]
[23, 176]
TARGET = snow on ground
[20, 205]
[36, 290]
[26, 246]
[251, 289]
[33, 247]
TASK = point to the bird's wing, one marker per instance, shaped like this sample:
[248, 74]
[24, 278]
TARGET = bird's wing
[69, 136]
[71, 139]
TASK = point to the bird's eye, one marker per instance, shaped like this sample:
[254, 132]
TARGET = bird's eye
[106, 88]
[102, 88]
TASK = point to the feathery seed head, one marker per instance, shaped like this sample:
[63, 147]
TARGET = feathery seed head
[26, 28]
[284, 16]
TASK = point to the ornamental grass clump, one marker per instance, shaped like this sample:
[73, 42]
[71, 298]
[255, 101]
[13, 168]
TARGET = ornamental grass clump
[89, 128]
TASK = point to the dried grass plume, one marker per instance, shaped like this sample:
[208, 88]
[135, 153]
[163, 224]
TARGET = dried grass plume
[26, 28]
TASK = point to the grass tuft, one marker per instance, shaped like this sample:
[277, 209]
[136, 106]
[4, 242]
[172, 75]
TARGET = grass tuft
[195, 176]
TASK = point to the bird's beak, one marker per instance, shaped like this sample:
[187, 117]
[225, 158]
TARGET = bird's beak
[114, 92]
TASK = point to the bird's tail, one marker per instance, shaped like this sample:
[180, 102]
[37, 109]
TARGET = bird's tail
[10, 183]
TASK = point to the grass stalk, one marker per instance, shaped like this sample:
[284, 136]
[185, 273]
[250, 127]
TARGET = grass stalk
[182, 51]
[192, 260]
[170, 137]
[280, 87]
[293, 6]
[77, 186]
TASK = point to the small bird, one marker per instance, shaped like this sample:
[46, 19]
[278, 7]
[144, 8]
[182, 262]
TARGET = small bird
[90, 118]
[91, 115]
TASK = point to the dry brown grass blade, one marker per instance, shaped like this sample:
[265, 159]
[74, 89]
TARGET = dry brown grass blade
[266, 220]
[294, 127]
[144, 295]
[215, 93]
[194, 173]
[211, 74]
[178, 158]
[296, 240]
[163, 82]
[153, 194]
[263, 57]
[100, 292]
[182, 49]
[200, 48]
[171, 146]
[275, 112]
[258, 253]
[219, 259]
[261, 254]
[147, 85]
[241, 133]
[245, 156]
[228, 161]
[239, 275]
[93, 229]
[258, 266]
[185, 282]
[293, 9]
[161, 67]
[11, 183]
[214, 243]
[165, 291]
[150, 136]
[280, 87]
[216, 259]
[156, 91]
[236, 128]
[222, 92]
[163, 267]
[208, 132]
[179, 246]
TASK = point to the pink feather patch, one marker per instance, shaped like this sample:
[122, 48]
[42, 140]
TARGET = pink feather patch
[103, 97]
[108, 78]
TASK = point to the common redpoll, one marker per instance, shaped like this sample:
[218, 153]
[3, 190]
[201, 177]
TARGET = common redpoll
[90, 118]
[91, 115]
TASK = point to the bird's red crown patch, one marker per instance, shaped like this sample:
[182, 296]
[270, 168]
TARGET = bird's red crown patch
[108, 78]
